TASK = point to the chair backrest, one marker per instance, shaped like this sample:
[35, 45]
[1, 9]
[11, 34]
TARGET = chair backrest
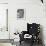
[33, 28]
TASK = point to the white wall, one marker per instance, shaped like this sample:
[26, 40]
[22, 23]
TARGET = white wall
[3, 21]
[3, 1]
[3, 34]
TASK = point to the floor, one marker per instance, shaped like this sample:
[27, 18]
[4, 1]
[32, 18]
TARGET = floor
[18, 44]
[5, 44]
[23, 44]
[26, 44]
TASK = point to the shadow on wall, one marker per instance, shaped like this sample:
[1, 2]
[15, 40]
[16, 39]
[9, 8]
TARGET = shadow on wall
[41, 34]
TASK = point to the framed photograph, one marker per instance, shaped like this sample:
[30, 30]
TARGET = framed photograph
[20, 13]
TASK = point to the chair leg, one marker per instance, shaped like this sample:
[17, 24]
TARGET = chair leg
[32, 42]
[20, 42]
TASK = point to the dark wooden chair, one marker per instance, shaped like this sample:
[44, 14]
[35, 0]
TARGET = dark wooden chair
[32, 29]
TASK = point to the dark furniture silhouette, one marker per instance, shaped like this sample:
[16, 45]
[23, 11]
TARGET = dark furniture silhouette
[33, 30]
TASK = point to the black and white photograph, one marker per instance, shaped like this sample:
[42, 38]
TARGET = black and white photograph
[20, 13]
[22, 22]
